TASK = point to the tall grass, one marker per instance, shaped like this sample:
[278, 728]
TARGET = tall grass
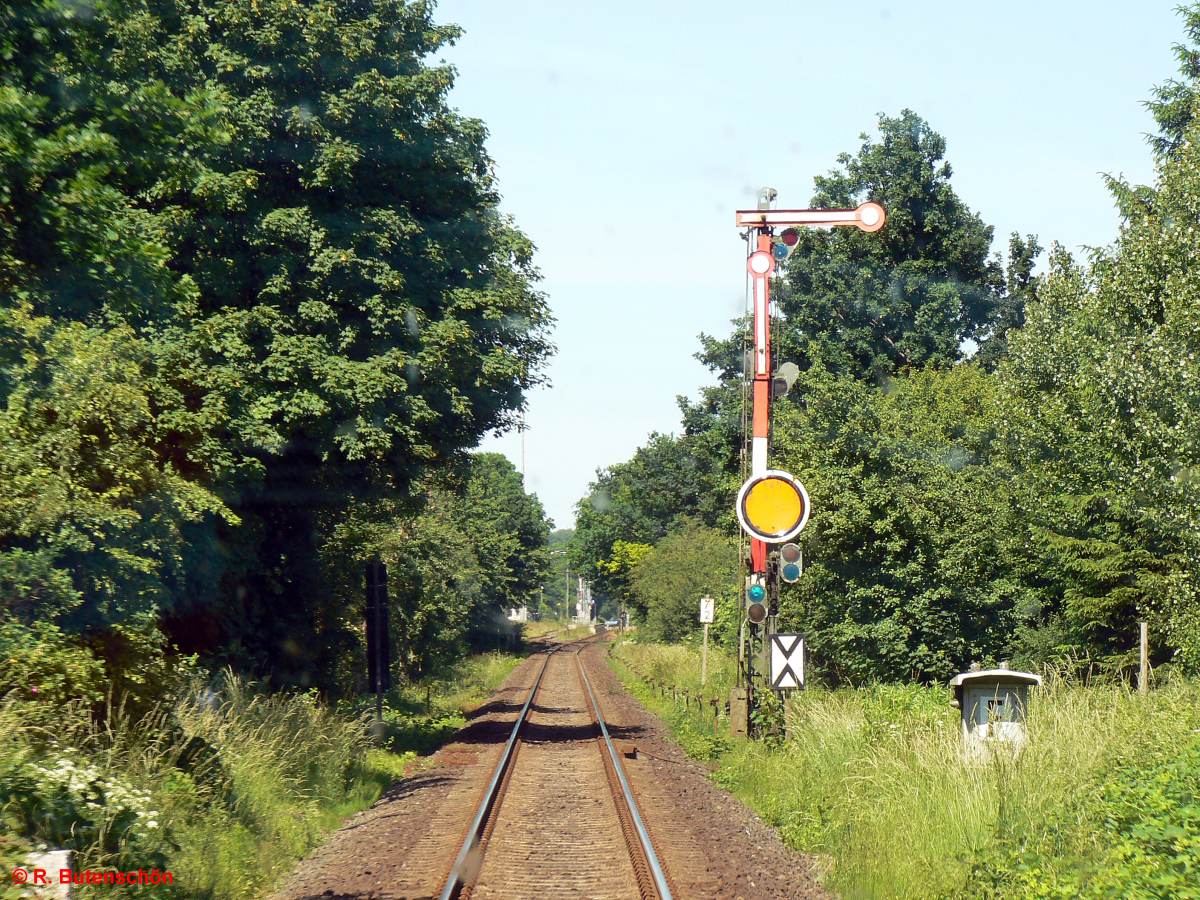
[225, 789]
[276, 773]
[225, 786]
[875, 781]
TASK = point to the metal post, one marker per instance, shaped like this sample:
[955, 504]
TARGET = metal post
[378, 650]
[704, 658]
[1144, 674]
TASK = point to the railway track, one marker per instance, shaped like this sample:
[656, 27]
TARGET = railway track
[558, 817]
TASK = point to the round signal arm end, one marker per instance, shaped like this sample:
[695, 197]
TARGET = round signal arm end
[870, 217]
[760, 262]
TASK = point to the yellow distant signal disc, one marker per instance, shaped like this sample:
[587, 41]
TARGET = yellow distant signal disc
[773, 507]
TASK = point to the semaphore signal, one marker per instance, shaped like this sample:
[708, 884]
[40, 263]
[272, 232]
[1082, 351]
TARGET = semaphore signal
[772, 505]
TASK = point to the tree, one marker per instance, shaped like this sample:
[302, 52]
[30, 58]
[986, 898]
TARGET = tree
[619, 570]
[305, 241]
[669, 579]
[868, 305]
[1175, 102]
[1020, 289]
[1104, 417]
[90, 519]
[636, 502]
[509, 532]
[917, 558]
[475, 546]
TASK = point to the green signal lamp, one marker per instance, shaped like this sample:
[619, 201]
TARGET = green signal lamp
[756, 593]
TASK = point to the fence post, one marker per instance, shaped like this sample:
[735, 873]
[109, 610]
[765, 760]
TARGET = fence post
[1144, 673]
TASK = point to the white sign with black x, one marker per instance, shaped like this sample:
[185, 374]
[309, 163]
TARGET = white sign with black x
[787, 661]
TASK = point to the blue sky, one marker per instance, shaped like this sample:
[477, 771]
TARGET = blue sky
[625, 135]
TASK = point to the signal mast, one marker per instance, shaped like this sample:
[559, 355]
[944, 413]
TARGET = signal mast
[772, 505]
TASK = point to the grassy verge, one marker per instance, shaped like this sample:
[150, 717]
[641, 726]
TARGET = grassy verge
[1104, 801]
[538, 629]
[420, 717]
[225, 788]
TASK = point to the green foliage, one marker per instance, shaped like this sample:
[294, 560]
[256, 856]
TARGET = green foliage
[1174, 103]
[917, 563]
[919, 558]
[1104, 407]
[91, 518]
[619, 568]
[252, 272]
[421, 716]
[691, 725]
[456, 565]
[870, 304]
[222, 788]
[670, 579]
[636, 502]
[1033, 503]
[43, 672]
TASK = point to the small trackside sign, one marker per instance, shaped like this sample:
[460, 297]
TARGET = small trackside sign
[708, 606]
[787, 661]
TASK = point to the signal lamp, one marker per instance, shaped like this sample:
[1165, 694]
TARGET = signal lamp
[790, 237]
[756, 593]
[756, 612]
[780, 251]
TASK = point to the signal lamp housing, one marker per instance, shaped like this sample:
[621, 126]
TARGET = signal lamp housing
[791, 563]
[756, 612]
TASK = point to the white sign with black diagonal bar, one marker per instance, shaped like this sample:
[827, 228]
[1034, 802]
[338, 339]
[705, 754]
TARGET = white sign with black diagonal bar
[787, 661]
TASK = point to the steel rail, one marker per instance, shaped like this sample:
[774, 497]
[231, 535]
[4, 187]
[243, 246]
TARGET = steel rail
[660, 878]
[457, 879]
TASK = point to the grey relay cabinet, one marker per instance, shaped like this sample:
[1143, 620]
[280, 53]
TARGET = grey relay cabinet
[993, 704]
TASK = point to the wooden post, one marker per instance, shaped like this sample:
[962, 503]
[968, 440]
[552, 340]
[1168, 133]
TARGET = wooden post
[1144, 673]
[739, 712]
[704, 658]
